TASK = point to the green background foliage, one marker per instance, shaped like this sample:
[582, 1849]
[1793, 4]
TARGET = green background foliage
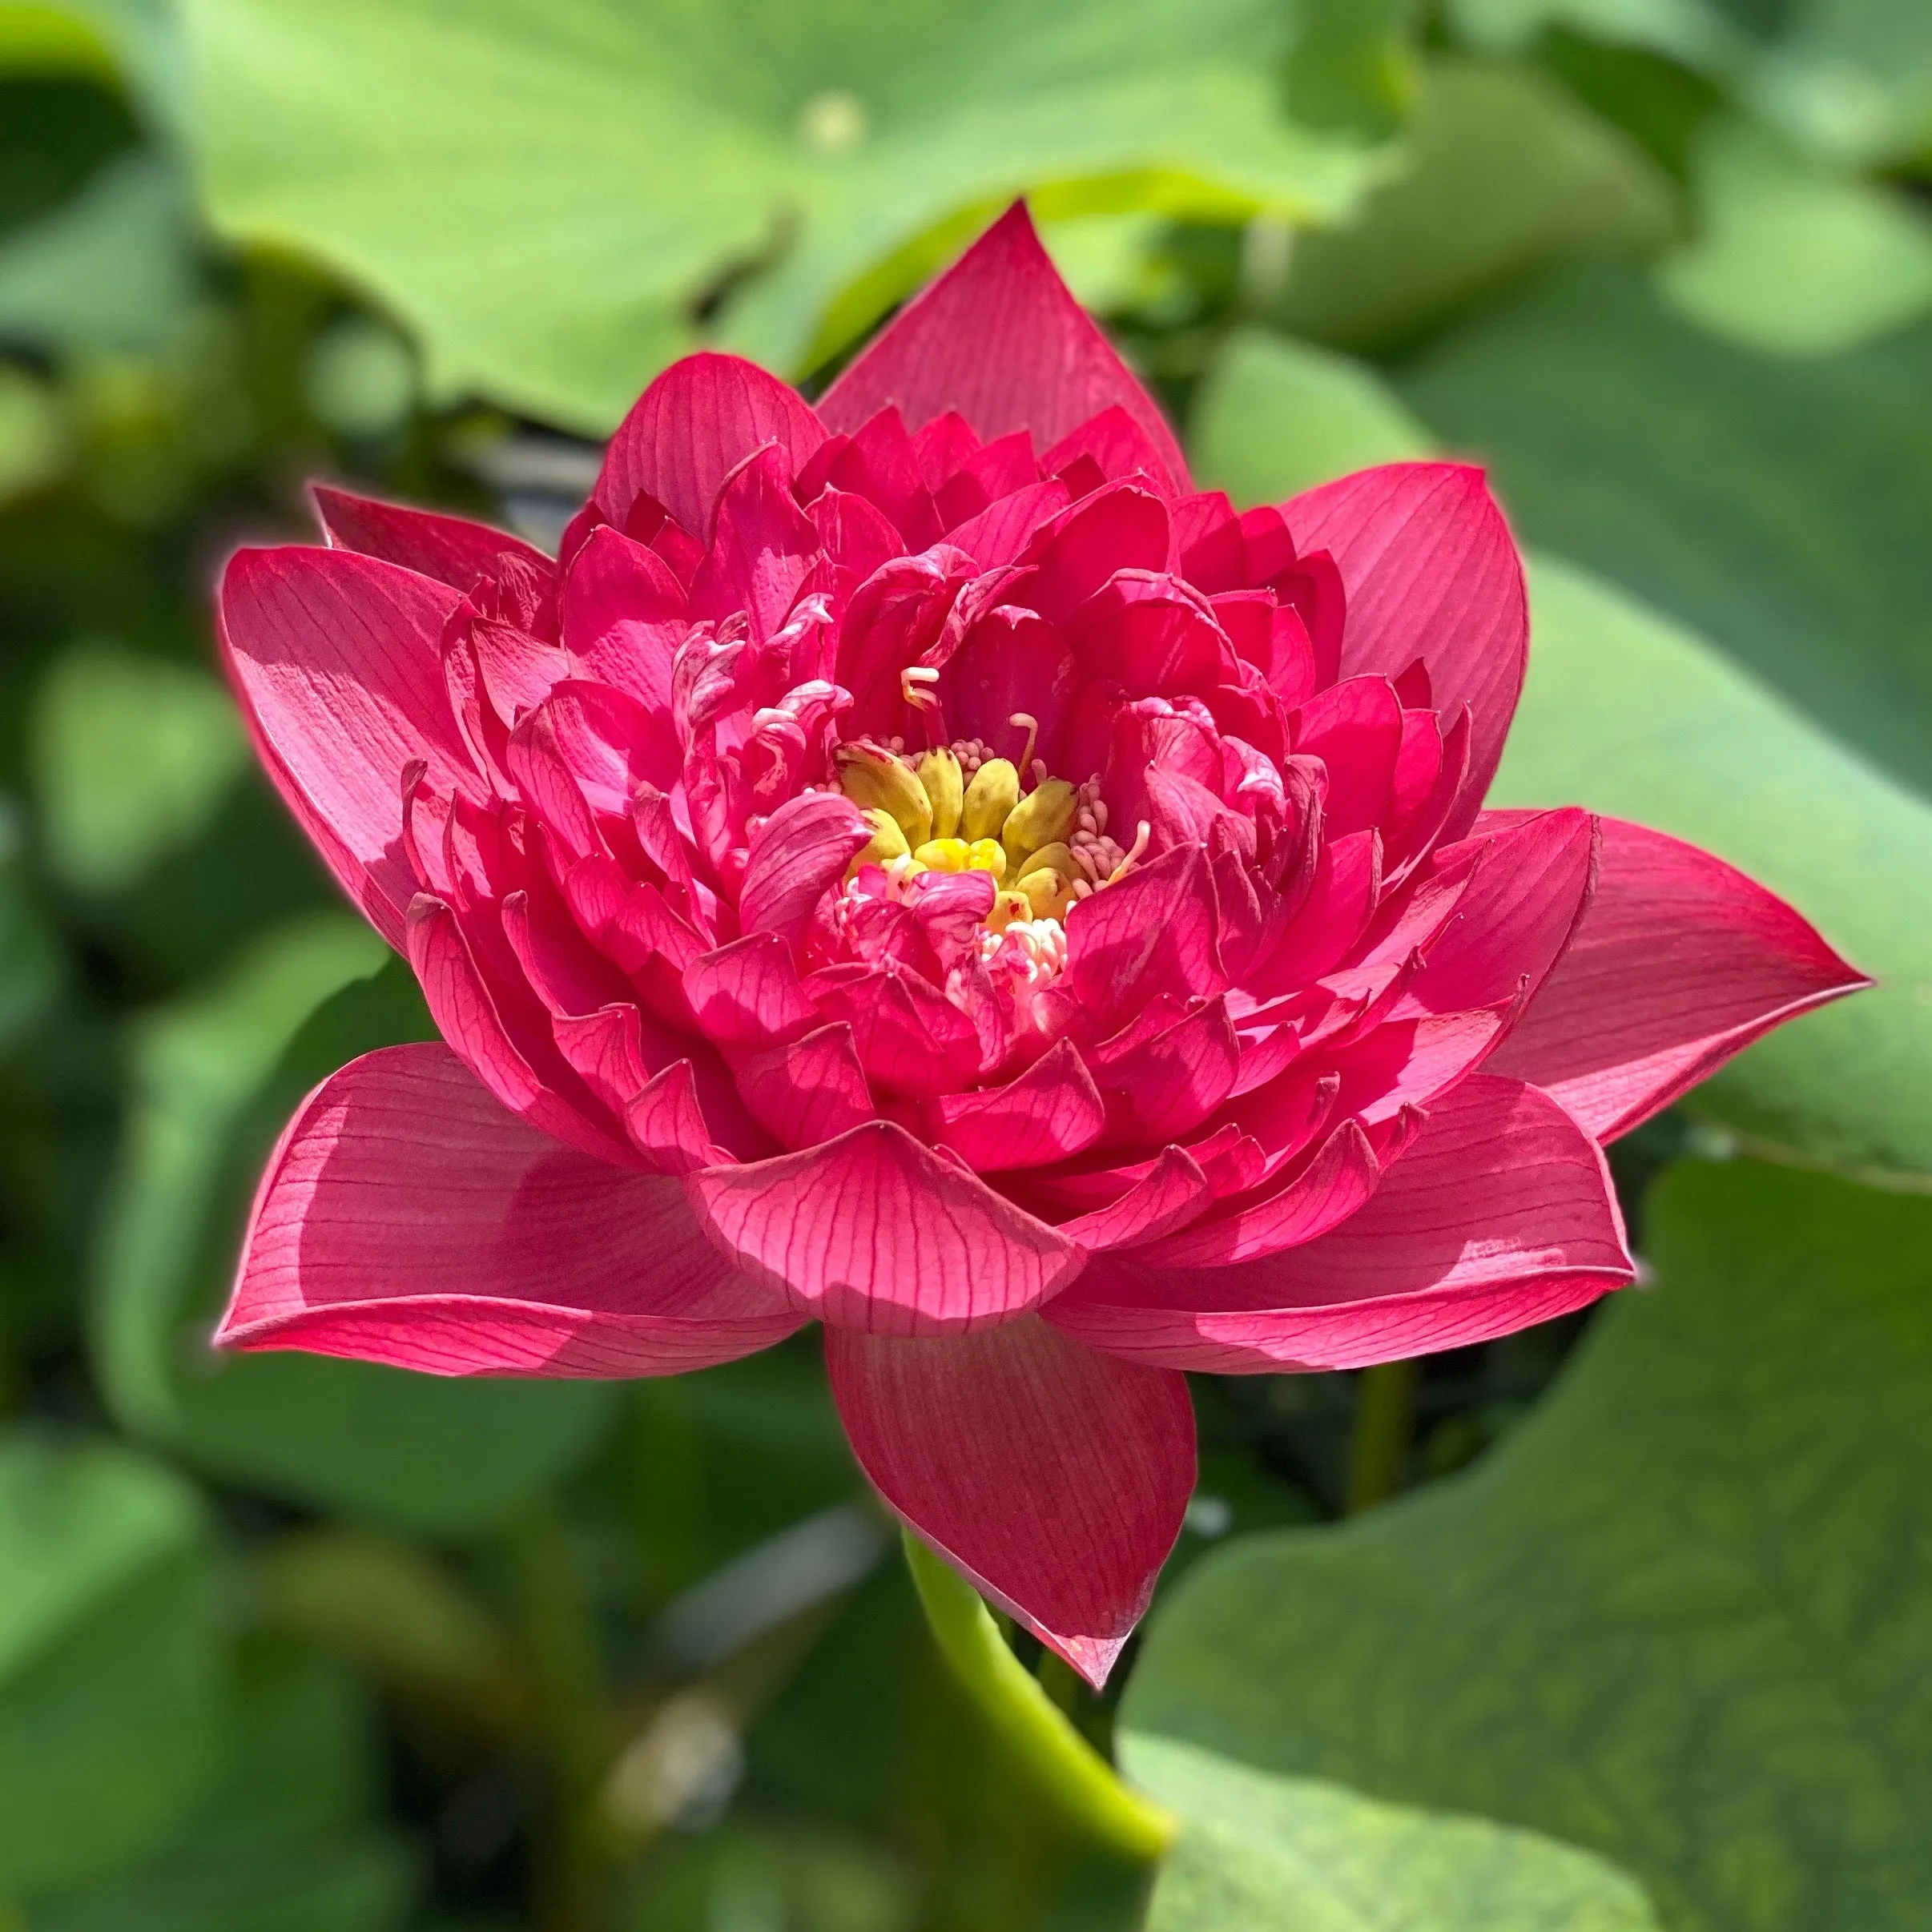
[296, 1645]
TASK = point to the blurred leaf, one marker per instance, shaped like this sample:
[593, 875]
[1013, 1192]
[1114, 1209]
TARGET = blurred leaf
[109, 1659]
[132, 755]
[29, 956]
[1796, 257]
[281, 1844]
[1852, 79]
[1355, 67]
[1506, 172]
[548, 193]
[1628, 713]
[33, 439]
[112, 269]
[1679, 1617]
[1777, 506]
[1275, 1854]
[134, 43]
[1693, 31]
[1273, 416]
[217, 1078]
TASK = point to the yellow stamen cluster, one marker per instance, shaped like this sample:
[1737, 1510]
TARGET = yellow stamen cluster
[926, 816]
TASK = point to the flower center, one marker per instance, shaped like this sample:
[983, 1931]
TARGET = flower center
[959, 808]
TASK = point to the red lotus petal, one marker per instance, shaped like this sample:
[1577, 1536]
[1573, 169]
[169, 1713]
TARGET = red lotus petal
[807, 1090]
[873, 1231]
[1514, 918]
[796, 856]
[467, 1016]
[1152, 933]
[1680, 962]
[405, 1217]
[1333, 1185]
[763, 546]
[1051, 1111]
[1355, 729]
[1431, 572]
[1054, 1478]
[1498, 1214]
[1168, 1082]
[691, 429]
[337, 661]
[999, 338]
[623, 617]
[1172, 1193]
[747, 993]
[667, 1125]
[454, 550]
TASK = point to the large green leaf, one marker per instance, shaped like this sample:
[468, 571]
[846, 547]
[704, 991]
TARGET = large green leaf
[1274, 416]
[1680, 1617]
[1779, 506]
[1263, 1853]
[1507, 172]
[110, 1659]
[549, 191]
[216, 1080]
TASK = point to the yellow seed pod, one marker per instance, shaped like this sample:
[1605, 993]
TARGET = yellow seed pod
[994, 790]
[1055, 858]
[987, 855]
[887, 842]
[1048, 893]
[1007, 907]
[873, 777]
[944, 855]
[939, 772]
[1044, 817]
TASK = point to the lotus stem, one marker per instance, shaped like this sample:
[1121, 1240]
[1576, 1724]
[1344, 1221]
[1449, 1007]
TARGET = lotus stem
[1082, 1783]
[1385, 1420]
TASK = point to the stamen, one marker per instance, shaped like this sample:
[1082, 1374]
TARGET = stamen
[1031, 725]
[916, 683]
[1142, 837]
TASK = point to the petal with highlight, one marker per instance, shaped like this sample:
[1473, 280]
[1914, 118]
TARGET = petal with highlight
[873, 1231]
[999, 338]
[1054, 1478]
[1680, 962]
[406, 1218]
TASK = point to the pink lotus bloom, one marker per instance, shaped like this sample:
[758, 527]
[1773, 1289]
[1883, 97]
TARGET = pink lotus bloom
[917, 865]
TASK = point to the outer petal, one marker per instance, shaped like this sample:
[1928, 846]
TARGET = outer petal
[691, 429]
[334, 658]
[1056, 1479]
[454, 550]
[872, 1231]
[999, 338]
[1432, 573]
[1500, 1213]
[1051, 1111]
[405, 1217]
[1680, 962]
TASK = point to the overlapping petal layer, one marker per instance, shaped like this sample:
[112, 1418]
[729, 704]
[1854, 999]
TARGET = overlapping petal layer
[919, 865]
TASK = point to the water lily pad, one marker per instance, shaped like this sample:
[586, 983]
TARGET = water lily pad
[1294, 1854]
[551, 194]
[1678, 1618]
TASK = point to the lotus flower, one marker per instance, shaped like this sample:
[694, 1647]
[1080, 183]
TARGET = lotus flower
[917, 865]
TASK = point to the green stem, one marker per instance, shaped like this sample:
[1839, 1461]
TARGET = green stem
[1384, 1421]
[1079, 1780]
